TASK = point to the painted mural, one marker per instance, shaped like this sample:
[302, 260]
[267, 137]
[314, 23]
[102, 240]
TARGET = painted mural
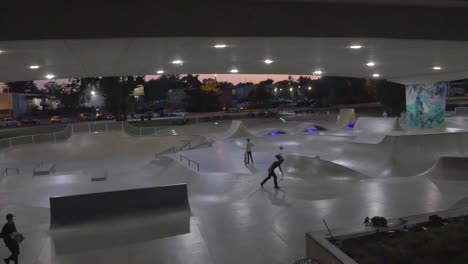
[425, 104]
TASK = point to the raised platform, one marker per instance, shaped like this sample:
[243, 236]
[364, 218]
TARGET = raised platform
[68, 210]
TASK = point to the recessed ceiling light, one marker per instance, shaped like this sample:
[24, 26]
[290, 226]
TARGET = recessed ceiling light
[375, 75]
[1, 51]
[178, 62]
[371, 64]
[268, 61]
[160, 72]
[310, 88]
[50, 76]
[355, 47]
[318, 72]
[33, 67]
[234, 71]
[220, 46]
[437, 68]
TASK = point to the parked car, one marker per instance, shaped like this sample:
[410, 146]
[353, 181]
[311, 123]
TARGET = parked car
[133, 115]
[87, 117]
[149, 115]
[109, 116]
[8, 122]
[29, 121]
[231, 109]
[60, 119]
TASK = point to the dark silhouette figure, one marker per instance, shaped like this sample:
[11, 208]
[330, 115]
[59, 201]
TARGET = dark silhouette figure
[271, 171]
[248, 152]
[8, 229]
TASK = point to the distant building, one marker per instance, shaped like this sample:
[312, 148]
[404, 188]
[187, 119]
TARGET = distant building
[15, 105]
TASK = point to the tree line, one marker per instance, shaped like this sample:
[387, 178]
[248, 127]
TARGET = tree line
[210, 95]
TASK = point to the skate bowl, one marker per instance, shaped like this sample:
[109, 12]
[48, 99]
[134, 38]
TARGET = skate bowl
[346, 117]
[449, 168]
[461, 111]
[402, 155]
[237, 129]
[376, 125]
[314, 167]
[83, 208]
[372, 130]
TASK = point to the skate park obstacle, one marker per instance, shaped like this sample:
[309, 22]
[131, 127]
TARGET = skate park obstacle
[81, 208]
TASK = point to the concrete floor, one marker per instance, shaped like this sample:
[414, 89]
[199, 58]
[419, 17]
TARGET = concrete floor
[232, 219]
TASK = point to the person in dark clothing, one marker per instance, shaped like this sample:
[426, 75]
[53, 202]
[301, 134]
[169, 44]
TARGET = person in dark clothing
[12, 245]
[271, 171]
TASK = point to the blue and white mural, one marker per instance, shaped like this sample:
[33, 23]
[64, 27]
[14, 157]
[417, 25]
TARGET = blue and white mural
[425, 104]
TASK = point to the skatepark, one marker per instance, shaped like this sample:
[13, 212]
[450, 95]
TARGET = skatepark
[69, 196]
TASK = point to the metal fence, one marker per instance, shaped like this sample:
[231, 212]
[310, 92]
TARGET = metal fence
[37, 139]
[91, 127]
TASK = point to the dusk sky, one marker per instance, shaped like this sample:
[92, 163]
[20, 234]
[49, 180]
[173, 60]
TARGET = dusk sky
[233, 78]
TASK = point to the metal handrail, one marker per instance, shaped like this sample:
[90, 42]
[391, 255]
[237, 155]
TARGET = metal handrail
[169, 150]
[189, 144]
[202, 144]
[5, 171]
[190, 162]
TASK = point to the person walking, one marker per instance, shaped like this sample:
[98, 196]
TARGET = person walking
[248, 152]
[8, 234]
[271, 171]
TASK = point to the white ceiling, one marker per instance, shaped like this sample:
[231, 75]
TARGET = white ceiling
[450, 3]
[405, 61]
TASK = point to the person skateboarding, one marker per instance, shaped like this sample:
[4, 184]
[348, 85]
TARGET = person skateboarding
[8, 234]
[248, 152]
[271, 171]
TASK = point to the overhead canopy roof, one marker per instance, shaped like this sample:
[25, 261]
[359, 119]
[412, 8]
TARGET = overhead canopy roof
[406, 61]
[107, 38]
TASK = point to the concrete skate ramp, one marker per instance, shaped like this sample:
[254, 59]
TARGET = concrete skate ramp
[305, 126]
[449, 168]
[372, 130]
[271, 131]
[376, 125]
[461, 111]
[346, 117]
[236, 130]
[68, 210]
[315, 167]
[402, 155]
[460, 203]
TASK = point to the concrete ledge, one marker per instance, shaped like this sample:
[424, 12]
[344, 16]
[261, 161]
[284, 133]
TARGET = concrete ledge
[320, 248]
[74, 209]
[44, 169]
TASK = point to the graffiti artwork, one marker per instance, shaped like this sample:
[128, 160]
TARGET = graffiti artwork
[425, 104]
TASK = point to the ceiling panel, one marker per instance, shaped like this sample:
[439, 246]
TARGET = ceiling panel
[403, 60]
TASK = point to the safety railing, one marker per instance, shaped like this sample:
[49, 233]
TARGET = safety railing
[37, 139]
[90, 127]
[190, 161]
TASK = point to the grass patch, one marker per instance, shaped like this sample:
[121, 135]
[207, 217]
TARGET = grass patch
[425, 243]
